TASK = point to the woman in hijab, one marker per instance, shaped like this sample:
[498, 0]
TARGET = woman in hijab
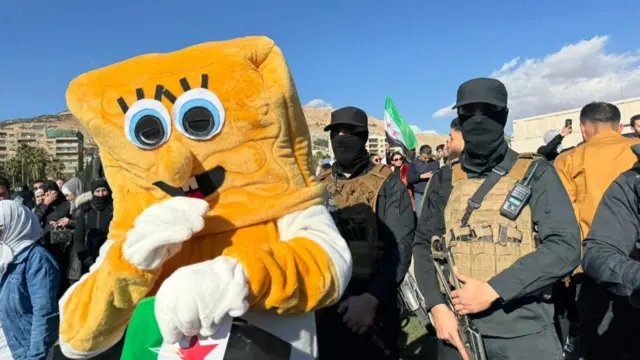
[72, 190]
[29, 280]
[92, 228]
[39, 195]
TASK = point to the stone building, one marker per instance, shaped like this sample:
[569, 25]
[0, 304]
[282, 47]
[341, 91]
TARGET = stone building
[65, 145]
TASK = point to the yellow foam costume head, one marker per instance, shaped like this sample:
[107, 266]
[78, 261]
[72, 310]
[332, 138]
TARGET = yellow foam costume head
[163, 121]
[220, 121]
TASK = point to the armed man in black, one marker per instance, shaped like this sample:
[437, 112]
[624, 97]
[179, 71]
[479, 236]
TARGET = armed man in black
[373, 212]
[612, 258]
[509, 248]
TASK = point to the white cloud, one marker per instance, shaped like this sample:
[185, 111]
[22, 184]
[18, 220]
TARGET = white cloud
[417, 130]
[319, 103]
[570, 78]
[445, 111]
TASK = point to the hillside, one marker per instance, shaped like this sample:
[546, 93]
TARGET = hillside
[62, 121]
[316, 118]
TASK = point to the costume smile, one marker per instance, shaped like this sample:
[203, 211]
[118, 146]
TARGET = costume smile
[198, 186]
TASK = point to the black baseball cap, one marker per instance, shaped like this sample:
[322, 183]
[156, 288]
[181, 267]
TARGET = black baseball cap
[482, 90]
[349, 115]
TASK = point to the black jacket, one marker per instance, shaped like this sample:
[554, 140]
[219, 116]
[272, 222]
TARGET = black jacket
[611, 254]
[396, 227]
[550, 151]
[612, 259]
[91, 231]
[518, 313]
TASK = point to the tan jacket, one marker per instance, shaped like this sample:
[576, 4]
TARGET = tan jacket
[587, 171]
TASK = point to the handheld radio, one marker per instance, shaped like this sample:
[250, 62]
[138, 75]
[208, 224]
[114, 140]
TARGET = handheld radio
[518, 197]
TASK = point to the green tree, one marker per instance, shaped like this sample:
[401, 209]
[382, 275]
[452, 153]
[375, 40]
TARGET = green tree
[28, 164]
[12, 169]
[55, 169]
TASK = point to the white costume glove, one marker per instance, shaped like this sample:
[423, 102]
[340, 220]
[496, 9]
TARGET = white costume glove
[196, 298]
[159, 231]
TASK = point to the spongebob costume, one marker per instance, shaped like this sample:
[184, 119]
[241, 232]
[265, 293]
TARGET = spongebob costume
[217, 212]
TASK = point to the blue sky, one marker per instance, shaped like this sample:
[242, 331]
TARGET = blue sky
[350, 52]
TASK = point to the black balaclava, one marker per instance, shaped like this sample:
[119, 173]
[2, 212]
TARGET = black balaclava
[350, 151]
[484, 143]
[100, 202]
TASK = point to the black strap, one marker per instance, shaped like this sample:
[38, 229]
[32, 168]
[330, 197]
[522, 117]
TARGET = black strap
[492, 179]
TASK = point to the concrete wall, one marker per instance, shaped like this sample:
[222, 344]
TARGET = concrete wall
[528, 132]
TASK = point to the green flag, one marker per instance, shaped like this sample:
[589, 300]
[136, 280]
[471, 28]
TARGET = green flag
[143, 340]
[399, 133]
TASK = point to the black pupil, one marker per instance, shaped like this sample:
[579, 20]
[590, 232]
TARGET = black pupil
[198, 121]
[149, 130]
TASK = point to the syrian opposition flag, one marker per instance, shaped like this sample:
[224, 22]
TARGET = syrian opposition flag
[143, 340]
[398, 131]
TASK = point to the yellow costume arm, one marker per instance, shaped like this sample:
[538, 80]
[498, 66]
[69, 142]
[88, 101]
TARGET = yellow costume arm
[100, 304]
[308, 269]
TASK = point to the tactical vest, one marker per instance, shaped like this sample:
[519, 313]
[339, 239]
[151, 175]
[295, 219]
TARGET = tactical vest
[352, 204]
[490, 243]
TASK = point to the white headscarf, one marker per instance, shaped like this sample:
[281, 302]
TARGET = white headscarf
[74, 186]
[20, 229]
[36, 193]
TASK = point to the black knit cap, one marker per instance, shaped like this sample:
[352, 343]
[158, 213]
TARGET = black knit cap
[98, 184]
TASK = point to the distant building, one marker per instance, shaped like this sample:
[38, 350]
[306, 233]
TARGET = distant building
[376, 144]
[65, 145]
[528, 132]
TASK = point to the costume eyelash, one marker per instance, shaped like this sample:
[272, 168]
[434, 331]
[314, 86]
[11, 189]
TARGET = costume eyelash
[123, 105]
[169, 95]
[162, 91]
[185, 84]
[158, 94]
[204, 82]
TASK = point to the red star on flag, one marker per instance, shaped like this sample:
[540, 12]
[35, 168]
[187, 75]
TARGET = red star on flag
[394, 133]
[195, 351]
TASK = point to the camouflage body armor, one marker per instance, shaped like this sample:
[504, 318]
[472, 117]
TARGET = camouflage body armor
[490, 243]
[352, 204]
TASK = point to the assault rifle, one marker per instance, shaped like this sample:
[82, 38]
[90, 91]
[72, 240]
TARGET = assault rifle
[410, 299]
[469, 335]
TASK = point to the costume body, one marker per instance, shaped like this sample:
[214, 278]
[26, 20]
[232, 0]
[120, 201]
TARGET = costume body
[207, 152]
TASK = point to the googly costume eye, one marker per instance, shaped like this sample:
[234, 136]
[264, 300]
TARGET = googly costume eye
[147, 124]
[198, 114]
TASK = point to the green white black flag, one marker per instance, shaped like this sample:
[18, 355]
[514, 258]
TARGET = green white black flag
[399, 133]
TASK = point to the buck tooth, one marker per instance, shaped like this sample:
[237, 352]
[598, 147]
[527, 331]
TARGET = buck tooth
[191, 184]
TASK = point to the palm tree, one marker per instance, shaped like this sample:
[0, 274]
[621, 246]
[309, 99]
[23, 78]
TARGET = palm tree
[31, 162]
[13, 169]
[38, 163]
[54, 169]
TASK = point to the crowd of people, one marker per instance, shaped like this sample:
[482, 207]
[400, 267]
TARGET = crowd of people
[525, 291]
[51, 234]
[554, 279]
